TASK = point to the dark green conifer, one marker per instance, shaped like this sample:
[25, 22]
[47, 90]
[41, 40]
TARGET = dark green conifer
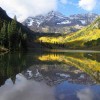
[3, 33]
[14, 25]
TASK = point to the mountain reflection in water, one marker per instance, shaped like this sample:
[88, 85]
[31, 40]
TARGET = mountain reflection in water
[52, 76]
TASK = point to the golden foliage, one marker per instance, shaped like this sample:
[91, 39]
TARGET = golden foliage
[86, 34]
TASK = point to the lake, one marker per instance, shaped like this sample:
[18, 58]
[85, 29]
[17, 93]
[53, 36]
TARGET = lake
[56, 75]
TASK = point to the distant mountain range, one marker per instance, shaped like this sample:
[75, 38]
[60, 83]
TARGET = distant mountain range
[88, 37]
[55, 22]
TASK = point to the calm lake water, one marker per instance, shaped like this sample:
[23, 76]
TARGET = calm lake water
[50, 76]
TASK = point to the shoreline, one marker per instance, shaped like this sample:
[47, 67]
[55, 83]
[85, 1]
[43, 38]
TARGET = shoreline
[77, 51]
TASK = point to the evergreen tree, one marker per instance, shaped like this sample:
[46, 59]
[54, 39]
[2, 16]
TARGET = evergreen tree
[24, 41]
[19, 36]
[14, 25]
[9, 34]
[9, 30]
[1, 22]
[14, 34]
[3, 33]
[11, 37]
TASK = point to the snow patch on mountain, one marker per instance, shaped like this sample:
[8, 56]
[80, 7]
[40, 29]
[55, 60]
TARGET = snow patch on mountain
[83, 22]
[65, 22]
[57, 22]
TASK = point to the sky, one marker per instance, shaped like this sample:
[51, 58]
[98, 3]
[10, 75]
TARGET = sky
[25, 8]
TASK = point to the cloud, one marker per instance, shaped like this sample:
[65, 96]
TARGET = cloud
[26, 8]
[63, 1]
[85, 94]
[87, 5]
[24, 89]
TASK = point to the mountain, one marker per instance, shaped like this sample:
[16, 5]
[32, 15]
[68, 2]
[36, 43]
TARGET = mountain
[13, 35]
[89, 33]
[55, 22]
[5, 17]
[88, 37]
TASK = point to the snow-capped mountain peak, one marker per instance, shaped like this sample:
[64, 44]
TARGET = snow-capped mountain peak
[55, 14]
[53, 20]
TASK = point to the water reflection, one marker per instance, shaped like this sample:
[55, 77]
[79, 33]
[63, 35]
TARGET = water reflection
[25, 90]
[77, 60]
[68, 91]
[32, 88]
[56, 76]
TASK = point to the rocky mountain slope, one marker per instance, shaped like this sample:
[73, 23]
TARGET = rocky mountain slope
[86, 37]
[55, 22]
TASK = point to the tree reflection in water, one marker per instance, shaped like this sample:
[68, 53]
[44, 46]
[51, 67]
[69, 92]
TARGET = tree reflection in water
[59, 76]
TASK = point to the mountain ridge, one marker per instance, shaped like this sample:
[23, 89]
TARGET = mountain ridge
[88, 37]
[55, 22]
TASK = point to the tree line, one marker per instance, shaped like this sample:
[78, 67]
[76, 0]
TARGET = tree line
[11, 36]
[93, 43]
